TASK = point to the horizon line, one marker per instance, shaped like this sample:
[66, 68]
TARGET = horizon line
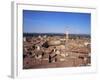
[54, 33]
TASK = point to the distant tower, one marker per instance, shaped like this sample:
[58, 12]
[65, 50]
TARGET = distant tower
[66, 43]
[67, 35]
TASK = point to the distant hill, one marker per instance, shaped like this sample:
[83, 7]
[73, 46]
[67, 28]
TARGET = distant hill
[56, 34]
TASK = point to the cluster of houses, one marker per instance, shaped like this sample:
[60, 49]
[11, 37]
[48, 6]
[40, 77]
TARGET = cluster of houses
[54, 51]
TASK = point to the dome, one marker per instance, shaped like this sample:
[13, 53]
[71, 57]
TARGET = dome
[54, 43]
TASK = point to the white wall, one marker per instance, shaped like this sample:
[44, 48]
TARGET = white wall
[5, 41]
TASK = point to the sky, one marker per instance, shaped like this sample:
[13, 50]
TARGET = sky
[56, 22]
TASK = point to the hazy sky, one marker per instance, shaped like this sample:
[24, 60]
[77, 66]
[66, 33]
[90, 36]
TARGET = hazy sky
[56, 22]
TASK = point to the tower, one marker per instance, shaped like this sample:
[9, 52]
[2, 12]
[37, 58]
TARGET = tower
[67, 36]
[66, 42]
